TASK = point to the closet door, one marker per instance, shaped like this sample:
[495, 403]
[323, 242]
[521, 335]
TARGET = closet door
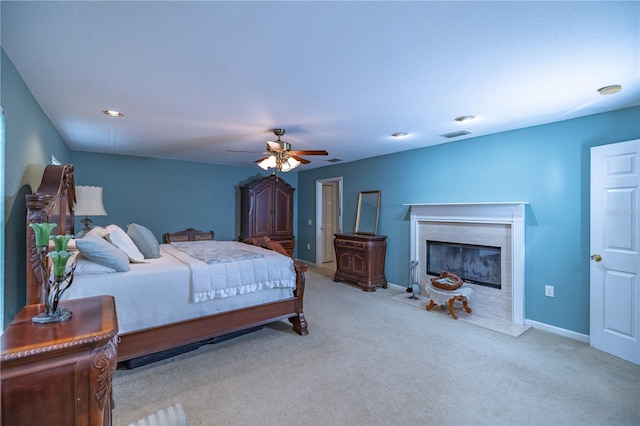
[263, 211]
[283, 212]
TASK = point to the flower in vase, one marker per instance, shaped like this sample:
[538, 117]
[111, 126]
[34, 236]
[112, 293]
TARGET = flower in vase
[59, 259]
[61, 241]
[42, 231]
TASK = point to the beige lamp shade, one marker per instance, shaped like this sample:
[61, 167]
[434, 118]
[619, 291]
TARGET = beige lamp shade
[89, 201]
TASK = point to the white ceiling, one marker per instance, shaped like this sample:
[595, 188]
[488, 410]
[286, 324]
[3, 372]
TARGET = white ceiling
[195, 79]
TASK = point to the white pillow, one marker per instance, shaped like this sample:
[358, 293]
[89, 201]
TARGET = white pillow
[120, 239]
[86, 267]
[96, 230]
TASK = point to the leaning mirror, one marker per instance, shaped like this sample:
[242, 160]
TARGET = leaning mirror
[368, 210]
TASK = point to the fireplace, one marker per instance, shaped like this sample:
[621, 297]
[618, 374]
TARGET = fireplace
[475, 264]
[491, 234]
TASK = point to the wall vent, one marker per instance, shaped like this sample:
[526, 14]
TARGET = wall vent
[456, 134]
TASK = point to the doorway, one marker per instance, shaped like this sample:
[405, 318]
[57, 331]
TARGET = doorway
[615, 251]
[328, 219]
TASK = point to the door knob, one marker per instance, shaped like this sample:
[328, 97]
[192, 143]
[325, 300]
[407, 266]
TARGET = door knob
[596, 257]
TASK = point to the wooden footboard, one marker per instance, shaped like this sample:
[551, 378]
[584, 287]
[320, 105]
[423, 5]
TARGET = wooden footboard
[54, 203]
[157, 339]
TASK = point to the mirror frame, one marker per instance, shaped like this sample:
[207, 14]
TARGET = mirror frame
[364, 196]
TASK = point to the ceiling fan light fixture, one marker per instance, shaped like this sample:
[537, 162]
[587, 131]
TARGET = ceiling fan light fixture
[610, 90]
[268, 163]
[281, 157]
[289, 164]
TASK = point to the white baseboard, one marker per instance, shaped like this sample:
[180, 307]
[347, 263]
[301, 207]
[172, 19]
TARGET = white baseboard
[396, 287]
[557, 330]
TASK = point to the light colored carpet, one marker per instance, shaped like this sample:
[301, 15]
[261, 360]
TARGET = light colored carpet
[370, 360]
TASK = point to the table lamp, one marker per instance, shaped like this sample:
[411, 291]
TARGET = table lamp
[88, 203]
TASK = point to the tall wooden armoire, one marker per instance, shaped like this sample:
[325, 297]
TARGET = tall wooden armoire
[266, 210]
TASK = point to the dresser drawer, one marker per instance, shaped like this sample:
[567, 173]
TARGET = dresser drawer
[349, 244]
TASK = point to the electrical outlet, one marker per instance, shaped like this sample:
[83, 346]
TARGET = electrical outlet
[548, 290]
[308, 246]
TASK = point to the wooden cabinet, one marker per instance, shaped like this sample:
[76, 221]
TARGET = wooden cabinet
[266, 210]
[360, 258]
[60, 373]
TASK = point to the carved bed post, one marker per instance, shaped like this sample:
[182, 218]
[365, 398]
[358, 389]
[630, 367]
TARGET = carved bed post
[299, 322]
[53, 202]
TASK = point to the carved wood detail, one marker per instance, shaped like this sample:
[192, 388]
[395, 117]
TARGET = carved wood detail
[188, 234]
[104, 360]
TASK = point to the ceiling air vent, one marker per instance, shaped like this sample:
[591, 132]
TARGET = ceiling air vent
[335, 160]
[456, 134]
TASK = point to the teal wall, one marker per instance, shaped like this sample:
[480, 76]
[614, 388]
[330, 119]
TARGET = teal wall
[30, 141]
[546, 166]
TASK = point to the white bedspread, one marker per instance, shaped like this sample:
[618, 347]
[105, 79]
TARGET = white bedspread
[158, 292]
[267, 269]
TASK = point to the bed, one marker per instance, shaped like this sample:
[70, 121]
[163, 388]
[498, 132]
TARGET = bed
[158, 309]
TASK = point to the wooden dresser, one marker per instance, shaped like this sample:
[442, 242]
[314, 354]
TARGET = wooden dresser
[360, 258]
[60, 373]
[266, 210]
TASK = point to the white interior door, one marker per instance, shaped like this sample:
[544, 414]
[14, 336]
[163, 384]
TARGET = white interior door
[329, 220]
[615, 256]
[324, 236]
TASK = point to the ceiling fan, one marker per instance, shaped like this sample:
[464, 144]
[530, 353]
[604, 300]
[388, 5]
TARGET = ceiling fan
[280, 155]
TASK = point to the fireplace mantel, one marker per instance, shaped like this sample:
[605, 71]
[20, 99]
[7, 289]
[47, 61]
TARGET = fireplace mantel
[509, 213]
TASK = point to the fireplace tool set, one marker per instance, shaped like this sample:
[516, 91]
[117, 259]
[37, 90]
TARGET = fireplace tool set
[414, 285]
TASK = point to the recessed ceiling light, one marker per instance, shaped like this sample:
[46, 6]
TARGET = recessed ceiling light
[112, 113]
[399, 135]
[462, 118]
[610, 90]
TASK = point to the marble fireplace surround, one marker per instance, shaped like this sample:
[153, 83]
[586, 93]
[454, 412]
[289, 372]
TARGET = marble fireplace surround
[504, 222]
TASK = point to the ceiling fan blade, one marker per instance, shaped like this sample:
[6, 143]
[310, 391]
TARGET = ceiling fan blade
[263, 158]
[300, 159]
[310, 152]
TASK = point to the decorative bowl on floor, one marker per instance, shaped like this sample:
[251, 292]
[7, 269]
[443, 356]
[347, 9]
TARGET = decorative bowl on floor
[447, 281]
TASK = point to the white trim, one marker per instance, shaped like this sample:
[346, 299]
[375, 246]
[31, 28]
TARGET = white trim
[392, 286]
[510, 213]
[557, 330]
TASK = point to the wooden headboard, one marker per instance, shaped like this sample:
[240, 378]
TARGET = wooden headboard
[188, 234]
[53, 202]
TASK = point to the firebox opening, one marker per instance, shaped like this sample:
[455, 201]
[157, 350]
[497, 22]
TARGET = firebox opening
[475, 264]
